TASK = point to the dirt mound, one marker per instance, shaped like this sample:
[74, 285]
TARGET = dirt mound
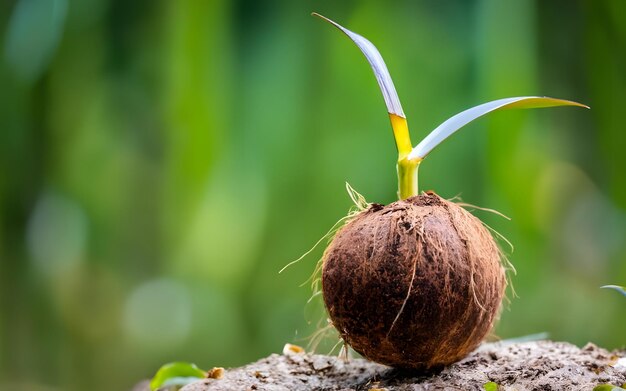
[541, 365]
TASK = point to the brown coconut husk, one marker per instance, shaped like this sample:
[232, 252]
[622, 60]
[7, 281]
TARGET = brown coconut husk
[415, 284]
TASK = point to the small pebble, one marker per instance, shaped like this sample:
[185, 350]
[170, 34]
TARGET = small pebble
[289, 349]
[320, 364]
[215, 373]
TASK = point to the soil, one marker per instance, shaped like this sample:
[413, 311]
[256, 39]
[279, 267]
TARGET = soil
[538, 365]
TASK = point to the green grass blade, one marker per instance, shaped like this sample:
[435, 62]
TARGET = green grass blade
[176, 373]
[456, 122]
[378, 66]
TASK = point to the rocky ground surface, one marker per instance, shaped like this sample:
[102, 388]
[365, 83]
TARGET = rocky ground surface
[537, 365]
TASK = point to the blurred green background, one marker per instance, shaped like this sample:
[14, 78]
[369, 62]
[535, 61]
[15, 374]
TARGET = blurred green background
[160, 161]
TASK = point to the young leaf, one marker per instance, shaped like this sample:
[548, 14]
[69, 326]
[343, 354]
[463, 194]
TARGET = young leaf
[618, 288]
[176, 374]
[378, 66]
[456, 122]
[396, 114]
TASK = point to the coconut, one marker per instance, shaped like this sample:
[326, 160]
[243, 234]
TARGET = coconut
[416, 284]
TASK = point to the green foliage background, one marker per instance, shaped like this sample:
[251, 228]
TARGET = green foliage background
[160, 161]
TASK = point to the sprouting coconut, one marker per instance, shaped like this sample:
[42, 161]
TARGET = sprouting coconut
[417, 283]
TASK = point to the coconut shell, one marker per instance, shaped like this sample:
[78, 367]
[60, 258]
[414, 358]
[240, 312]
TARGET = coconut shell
[415, 284]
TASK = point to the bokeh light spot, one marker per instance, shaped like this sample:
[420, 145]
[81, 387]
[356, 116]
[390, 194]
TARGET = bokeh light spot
[158, 313]
[56, 234]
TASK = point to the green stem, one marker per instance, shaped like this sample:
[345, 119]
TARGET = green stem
[407, 178]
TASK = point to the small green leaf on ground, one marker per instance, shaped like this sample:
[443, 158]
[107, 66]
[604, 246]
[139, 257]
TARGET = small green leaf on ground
[491, 386]
[618, 288]
[607, 387]
[176, 374]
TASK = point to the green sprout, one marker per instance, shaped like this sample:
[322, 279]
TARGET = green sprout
[409, 157]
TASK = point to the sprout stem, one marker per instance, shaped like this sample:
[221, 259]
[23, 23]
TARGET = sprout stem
[407, 169]
[407, 178]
